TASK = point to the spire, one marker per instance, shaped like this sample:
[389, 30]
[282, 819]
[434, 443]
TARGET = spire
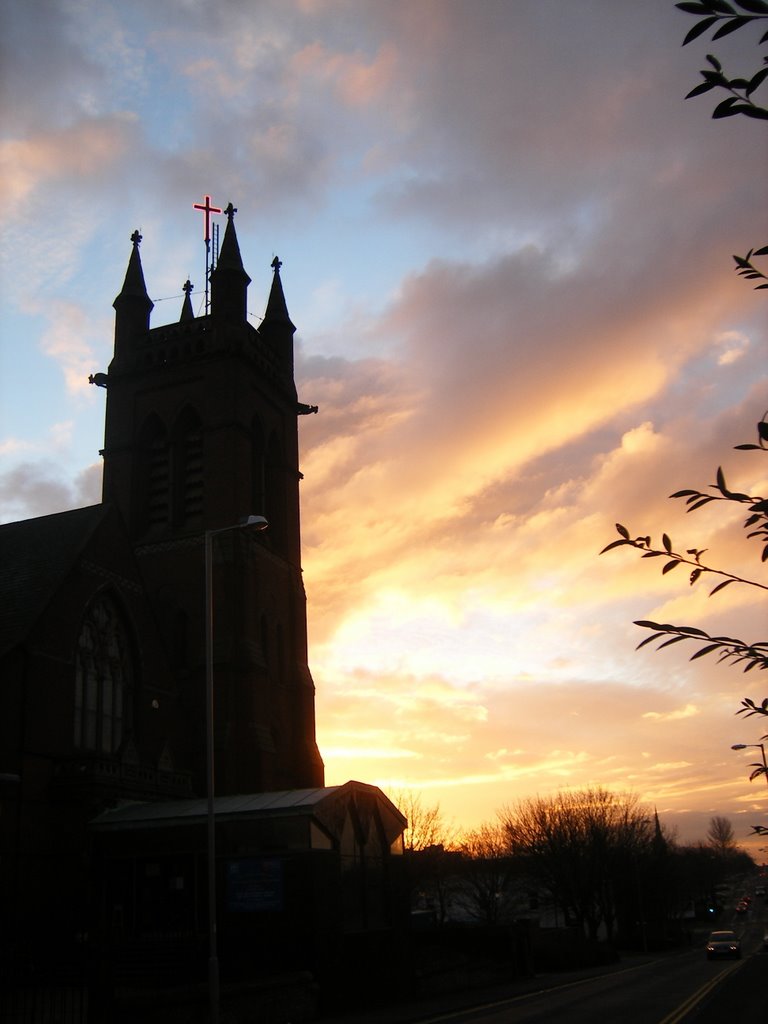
[659, 842]
[133, 305]
[277, 310]
[134, 287]
[229, 281]
[276, 327]
[229, 256]
[187, 313]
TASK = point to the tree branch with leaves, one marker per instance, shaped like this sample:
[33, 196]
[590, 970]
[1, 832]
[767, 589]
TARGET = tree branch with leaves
[759, 768]
[725, 18]
[722, 18]
[729, 649]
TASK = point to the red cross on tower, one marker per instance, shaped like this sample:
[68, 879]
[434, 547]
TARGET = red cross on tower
[207, 209]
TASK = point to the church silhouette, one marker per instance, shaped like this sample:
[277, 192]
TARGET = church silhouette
[105, 734]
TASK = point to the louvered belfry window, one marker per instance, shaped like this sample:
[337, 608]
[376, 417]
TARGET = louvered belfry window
[154, 445]
[192, 486]
[188, 469]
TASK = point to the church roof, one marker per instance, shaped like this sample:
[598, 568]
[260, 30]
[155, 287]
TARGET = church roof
[190, 812]
[35, 557]
[247, 806]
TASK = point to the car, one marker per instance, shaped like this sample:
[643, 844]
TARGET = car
[742, 908]
[725, 944]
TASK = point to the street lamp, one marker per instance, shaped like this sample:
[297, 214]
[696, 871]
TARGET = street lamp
[759, 769]
[257, 523]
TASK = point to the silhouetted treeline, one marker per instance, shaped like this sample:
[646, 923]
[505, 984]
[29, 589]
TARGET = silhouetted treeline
[591, 860]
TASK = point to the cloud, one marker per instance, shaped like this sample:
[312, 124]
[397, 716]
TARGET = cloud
[438, 438]
[734, 345]
[12, 445]
[540, 756]
[32, 490]
[87, 149]
[40, 44]
[39, 488]
[358, 81]
[64, 342]
[673, 716]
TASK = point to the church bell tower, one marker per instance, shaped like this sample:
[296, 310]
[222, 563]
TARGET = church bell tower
[201, 432]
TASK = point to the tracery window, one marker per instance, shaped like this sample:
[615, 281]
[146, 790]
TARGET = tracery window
[103, 679]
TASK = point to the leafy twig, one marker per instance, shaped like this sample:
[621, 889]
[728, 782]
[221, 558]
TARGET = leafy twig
[746, 268]
[749, 708]
[729, 648]
[725, 18]
[741, 89]
[758, 505]
[692, 556]
[724, 15]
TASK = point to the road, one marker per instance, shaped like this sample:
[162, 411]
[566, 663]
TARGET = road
[681, 989]
[646, 994]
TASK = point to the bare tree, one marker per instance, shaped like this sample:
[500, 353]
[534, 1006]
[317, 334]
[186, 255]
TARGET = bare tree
[484, 893]
[580, 847]
[426, 825]
[428, 840]
[720, 835]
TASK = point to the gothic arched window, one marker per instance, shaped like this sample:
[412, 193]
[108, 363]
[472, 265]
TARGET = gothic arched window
[103, 678]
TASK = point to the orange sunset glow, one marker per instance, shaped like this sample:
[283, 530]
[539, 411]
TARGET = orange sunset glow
[507, 247]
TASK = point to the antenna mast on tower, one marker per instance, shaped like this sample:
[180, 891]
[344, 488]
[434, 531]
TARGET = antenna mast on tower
[215, 238]
[207, 209]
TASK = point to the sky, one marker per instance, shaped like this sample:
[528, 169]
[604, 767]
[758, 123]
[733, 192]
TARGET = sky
[506, 241]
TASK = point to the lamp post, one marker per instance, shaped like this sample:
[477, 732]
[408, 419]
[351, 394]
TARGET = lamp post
[257, 523]
[759, 770]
